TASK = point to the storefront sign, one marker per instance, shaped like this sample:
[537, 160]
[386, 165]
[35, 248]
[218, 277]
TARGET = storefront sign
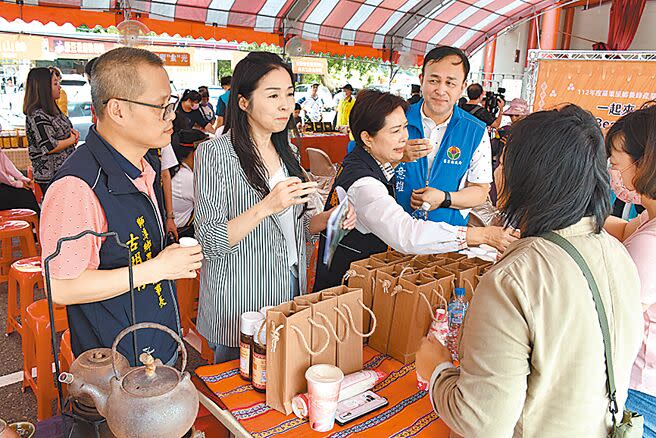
[175, 59]
[608, 89]
[236, 57]
[316, 66]
[62, 46]
[20, 47]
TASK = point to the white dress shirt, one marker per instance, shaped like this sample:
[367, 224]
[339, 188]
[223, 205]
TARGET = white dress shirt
[480, 166]
[379, 214]
[182, 190]
[168, 157]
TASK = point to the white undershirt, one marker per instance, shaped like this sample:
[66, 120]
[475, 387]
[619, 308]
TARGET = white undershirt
[480, 166]
[182, 191]
[168, 158]
[286, 220]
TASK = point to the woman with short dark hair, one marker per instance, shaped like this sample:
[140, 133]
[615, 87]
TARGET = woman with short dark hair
[631, 146]
[532, 351]
[379, 127]
[50, 133]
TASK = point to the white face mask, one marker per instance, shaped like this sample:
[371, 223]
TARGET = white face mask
[621, 191]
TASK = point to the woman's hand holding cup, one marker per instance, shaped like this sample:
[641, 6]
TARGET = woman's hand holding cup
[287, 193]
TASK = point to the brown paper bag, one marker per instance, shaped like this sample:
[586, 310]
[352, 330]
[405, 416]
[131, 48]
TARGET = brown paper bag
[438, 260]
[323, 313]
[390, 257]
[413, 314]
[349, 321]
[455, 256]
[289, 329]
[465, 276]
[483, 265]
[383, 307]
[362, 274]
[446, 281]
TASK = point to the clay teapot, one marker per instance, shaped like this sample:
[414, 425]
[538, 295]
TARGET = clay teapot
[93, 367]
[146, 401]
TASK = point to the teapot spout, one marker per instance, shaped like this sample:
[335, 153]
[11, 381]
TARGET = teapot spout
[79, 388]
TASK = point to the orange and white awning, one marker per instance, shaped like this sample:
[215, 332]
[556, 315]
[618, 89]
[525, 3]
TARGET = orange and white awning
[404, 25]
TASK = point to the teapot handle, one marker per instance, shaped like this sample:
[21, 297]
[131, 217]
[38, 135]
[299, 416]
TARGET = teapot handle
[144, 325]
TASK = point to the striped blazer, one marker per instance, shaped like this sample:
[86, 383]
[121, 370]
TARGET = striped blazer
[255, 272]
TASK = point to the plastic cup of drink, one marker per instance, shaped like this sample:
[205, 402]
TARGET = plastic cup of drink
[324, 382]
[188, 241]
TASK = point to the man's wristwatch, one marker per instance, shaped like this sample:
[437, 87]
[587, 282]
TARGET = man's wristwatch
[447, 200]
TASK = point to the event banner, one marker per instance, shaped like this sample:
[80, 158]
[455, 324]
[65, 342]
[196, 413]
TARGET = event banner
[608, 89]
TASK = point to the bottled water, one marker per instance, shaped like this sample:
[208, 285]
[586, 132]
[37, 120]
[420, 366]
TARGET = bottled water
[422, 212]
[457, 309]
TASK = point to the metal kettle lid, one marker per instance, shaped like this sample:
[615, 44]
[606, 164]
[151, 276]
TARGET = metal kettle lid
[150, 380]
[96, 358]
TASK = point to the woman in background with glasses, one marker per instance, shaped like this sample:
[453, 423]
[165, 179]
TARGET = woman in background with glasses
[50, 133]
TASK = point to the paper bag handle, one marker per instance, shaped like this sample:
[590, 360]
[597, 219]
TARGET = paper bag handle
[441, 296]
[331, 327]
[305, 342]
[470, 284]
[374, 321]
[350, 273]
[275, 335]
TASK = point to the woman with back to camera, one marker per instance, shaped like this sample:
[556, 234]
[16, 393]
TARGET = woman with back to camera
[532, 351]
[631, 146]
[251, 215]
[50, 133]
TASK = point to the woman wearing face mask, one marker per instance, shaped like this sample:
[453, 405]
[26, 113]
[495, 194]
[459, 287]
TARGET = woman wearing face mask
[188, 114]
[251, 215]
[379, 126]
[631, 146]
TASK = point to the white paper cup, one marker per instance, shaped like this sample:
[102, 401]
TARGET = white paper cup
[188, 241]
[324, 382]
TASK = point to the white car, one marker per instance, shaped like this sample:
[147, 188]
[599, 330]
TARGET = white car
[78, 93]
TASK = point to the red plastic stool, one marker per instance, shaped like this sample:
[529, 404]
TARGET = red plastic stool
[21, 214]
[23, 276]
[23, 232]
[37, 350]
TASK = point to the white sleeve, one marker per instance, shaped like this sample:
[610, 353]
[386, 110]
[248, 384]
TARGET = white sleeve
[168, 157]
[480, 167]
[378, 213]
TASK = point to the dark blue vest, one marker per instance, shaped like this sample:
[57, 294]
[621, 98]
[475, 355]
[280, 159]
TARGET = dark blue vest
[462, 137]
[133, 216]
[355, 245]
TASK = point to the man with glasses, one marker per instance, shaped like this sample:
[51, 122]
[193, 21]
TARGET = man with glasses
[112, 184]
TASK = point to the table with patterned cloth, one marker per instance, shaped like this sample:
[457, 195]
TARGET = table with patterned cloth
[408, 414]
[334, 145]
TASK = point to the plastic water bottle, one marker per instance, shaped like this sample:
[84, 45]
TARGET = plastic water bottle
[422, 212]
[457, 309]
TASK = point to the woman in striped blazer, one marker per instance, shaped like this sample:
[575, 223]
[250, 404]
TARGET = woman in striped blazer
[251, 214]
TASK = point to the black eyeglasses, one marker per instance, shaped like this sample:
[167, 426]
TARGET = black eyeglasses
[168, 108]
